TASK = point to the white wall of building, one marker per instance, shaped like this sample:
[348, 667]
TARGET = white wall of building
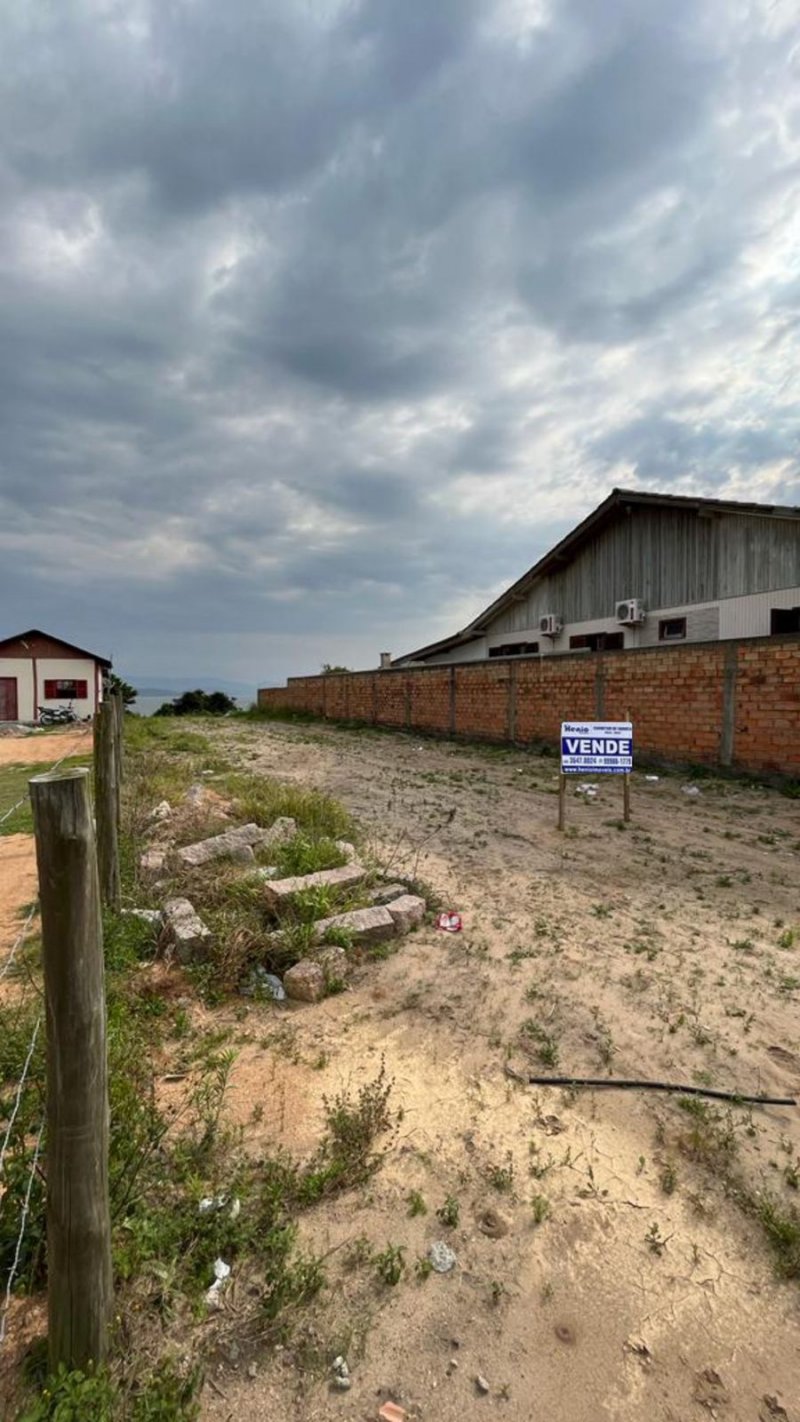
[50, 669]
[21, 669]
[705, 622]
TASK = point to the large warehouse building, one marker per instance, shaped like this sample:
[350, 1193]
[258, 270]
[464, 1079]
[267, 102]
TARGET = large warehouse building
[645, 570]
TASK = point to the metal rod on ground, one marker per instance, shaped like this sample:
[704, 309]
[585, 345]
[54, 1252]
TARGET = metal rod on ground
[79, 1289]
[562, 799]
[106, 795]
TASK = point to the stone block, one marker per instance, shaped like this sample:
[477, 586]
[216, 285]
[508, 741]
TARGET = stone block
[279, 892]
[153, 861]
[333, 962]
[385, 893]
[305, 982]
[406, 912]
[186, 929]
[222, 846]
[280, 831]
[364, 926]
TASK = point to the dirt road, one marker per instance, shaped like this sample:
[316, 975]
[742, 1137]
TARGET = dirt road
[17, 851]
[605, 1265]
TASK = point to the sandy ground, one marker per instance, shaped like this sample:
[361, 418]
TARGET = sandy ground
[34, 749]
[672, 951]
[17, 851]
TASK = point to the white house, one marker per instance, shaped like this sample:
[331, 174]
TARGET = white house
[39, 670]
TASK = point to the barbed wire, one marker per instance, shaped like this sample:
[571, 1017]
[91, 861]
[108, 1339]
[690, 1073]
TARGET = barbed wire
[23, 1221]
[8, 813]
[18, 1097]
[18, 940]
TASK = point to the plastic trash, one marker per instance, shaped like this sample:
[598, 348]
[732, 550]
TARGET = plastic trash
[211, 1204]
[653, 779]
[267, 984]
[222, 1272]
[449, 922]
[692, 791]
[341, 1374]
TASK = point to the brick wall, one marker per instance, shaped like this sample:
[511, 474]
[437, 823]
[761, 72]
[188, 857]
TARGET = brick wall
[719, 703]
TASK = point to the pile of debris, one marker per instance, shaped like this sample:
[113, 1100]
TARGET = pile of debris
[391, 911]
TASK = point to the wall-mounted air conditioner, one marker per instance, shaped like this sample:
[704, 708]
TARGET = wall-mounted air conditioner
[631, 612]
[550, 624]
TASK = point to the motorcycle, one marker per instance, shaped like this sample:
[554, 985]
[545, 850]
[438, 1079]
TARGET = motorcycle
[56, 715]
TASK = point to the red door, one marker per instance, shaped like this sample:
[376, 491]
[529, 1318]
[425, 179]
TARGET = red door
[8, 698]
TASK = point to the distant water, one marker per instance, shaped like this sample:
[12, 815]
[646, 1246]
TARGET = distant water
[146, 705]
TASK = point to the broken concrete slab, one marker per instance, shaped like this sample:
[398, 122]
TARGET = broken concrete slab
[364, 926]
[305, 982]
[407, 912]
[153, 916]
[186, 929]
[279, 892]
[385, 893]
[222, 846]
[153, 861]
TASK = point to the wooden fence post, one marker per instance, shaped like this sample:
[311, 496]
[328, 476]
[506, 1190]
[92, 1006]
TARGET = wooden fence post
[119, 754]
[79, 1289]
[106, 796]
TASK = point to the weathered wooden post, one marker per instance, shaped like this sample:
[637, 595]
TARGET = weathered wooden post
[119, 726]
[79, 1290]
[106, 795]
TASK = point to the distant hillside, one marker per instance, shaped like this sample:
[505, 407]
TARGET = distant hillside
[170, 687]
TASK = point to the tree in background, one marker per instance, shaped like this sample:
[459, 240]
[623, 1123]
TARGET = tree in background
[329, 670]
[198, 703]
[129, 693]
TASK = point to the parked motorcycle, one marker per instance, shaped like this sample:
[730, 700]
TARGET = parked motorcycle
[57, 715]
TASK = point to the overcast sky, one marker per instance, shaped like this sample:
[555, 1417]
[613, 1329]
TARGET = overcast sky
[321, 320]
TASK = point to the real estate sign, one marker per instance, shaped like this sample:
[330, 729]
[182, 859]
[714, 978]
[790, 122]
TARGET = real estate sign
[596, 747]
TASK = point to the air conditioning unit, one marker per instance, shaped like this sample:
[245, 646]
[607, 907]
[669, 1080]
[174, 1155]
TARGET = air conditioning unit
[631, 612]
[550, 624]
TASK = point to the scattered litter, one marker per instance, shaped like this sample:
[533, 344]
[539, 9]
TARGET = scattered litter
[449, 922]
[212, 1204]
[252, 1370]
[653, 779]
[481, 1384]
[589, 792]
[341, 1374]
[692, 791]
[441, 1256]
[392, 1412]
[222, 1272]
[267, 984]
[162, 811]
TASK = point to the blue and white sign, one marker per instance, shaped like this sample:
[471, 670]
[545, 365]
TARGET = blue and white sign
[601, 747]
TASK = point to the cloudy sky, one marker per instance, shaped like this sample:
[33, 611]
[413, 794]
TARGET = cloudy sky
[322, 319]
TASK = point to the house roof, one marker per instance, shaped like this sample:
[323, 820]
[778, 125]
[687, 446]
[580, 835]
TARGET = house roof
[564, 551]
[68, 646]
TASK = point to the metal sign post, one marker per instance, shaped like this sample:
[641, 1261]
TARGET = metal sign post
[596, 748]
